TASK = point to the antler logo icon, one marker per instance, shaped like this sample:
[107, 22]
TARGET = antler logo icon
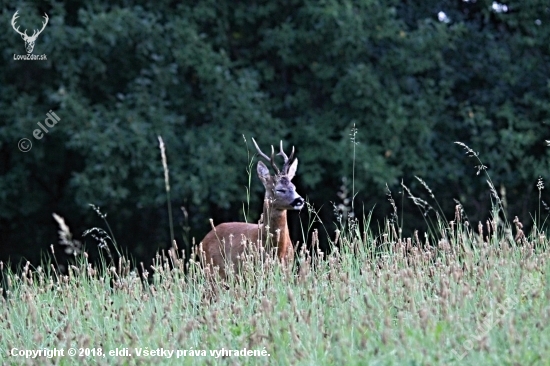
[29, 41]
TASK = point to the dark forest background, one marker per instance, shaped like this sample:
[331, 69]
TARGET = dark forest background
[413, 77]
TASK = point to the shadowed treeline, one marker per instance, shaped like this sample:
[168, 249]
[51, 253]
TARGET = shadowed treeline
[412, 77]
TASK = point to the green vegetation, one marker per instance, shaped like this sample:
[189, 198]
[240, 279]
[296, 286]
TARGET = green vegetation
[406, 282]
[470, 297]
[455, 295]
[203, 74]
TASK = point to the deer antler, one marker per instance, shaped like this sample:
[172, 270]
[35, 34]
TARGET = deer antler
[286, 158]
[13, 19]
[43, 24]
[24, 34]
[271, 160]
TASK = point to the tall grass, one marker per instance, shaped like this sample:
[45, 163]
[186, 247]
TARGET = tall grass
[470, 298]
[166, 185]
[468, 295]
[249, 169]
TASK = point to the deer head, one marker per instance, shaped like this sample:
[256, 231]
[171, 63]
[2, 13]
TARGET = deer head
[29, 41]
[280, 191]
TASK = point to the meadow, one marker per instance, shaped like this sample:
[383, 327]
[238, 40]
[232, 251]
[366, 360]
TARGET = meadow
[461, 293]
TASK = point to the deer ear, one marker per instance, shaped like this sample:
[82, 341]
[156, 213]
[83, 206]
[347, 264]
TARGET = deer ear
[292, 169]
[263, 172]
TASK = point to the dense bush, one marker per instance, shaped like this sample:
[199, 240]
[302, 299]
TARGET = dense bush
[412, 77]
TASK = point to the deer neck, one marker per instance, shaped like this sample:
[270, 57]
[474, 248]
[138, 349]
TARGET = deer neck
[276, 229]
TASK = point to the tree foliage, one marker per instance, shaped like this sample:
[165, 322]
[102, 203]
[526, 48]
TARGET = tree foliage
[413, 77]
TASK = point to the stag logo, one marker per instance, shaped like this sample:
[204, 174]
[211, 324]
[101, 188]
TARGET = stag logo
[29, 40]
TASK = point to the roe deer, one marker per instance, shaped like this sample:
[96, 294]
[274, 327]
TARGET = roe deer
[226, 243]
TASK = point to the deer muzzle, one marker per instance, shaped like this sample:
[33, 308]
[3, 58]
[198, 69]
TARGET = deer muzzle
[298, 203]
